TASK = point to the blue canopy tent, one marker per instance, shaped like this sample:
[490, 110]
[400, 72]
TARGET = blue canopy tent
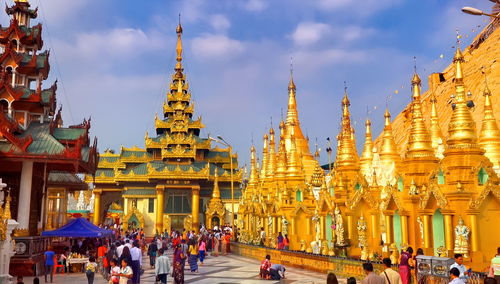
[78, 228]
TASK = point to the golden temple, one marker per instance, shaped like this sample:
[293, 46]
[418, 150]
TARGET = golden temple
[430, 180]
[168, 184]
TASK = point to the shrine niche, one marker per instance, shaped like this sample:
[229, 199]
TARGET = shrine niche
[134, 219]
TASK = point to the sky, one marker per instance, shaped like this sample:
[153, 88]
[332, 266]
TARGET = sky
[114, 59]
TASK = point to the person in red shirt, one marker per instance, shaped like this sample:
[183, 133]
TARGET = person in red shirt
[228, 241]
[265, 266]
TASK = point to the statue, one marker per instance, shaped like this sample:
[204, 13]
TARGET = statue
[284, 223]
[302, 245]
[324, 247]
[331, 251]
[394, 253]
[315, 247]
[461, 238]
[364, 253]
[362, 242]
[317, 225]
[339, 228]
[442, 252]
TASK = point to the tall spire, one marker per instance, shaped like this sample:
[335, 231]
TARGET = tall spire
[435, 129]
[254, 174]
[265, 157]
[419, 140]
[216, 191]
[271, 164]
[489, 137]
[367, 155]
[178, 66]
[294, 165]
[388, 152]
[281, 163]
[462, 128]
[346, 152]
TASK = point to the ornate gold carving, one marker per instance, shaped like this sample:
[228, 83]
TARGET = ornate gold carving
[188, 222]
[138, 215]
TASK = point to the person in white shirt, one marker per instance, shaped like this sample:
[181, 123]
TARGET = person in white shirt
[127, 243]
[454, 276]
[119, 248]
[390, 275]
[136, 255]
[459, 264]
[162, 268]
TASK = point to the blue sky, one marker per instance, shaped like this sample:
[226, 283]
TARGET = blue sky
[114, 60]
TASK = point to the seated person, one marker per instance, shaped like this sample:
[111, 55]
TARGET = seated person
[277, 272]
[265, 266]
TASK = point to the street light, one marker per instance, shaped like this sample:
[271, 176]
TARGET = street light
[225, 143]
[477, 12]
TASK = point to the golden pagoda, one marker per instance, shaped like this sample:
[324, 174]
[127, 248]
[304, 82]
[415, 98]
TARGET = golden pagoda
[177, 175]
[428, 181]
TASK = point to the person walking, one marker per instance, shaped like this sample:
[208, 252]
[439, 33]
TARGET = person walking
[405, 261]
[179, 258]
[49, 256]
[193, 255]
[201, 249]
[136, 254]
[390, 276]
[126, 272]
[286, 243]
[281, 243]
[224, 244]
[90, 269]
[152, 249]
[125, 256]
[162, 267]
[371, 277]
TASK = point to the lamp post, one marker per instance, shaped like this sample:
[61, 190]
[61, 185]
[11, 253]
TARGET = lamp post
[477, 12]
[225, 143]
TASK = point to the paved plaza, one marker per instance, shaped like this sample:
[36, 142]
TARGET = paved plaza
[222, 269]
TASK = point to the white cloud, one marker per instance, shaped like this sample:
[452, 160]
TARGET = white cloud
[309, 32]
[256, 5]
[356, 7]
[321, 58]
[216, 46]
[220, 22]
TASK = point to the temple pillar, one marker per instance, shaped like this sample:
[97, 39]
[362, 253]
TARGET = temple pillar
[23, 210]
[160, 198]
[448, 231]
[350, 231]
[195, 208]
[322, 220]
[275, 225]
[389, 227]
[293, 225]
[280, 225]
[474, 236]
[404, 229]
[97, 207]
[427, 231]
[308, 226]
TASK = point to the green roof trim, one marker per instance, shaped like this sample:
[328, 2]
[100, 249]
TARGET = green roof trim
[107, 172]
[43, 142]
[140, 191]
[68, 133]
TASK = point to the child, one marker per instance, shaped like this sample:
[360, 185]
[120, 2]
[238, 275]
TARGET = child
[90, 269]
[115, 272]
[265, 266]
[126, 272]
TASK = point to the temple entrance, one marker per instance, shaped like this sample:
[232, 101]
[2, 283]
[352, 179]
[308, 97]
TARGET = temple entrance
[215, 222]
[177, 222]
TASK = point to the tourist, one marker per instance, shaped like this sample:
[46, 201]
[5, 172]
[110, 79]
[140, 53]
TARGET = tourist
[277, 272]
[371, 277]
[126, 272]
[193, 255]
[162, 267]
[495, 267]
[159, 243]
[224, 243]
[280, 239]
[179, 259]
[332, 279]
[228, 241]
[405, 261]
[49, 256]
[265, 266]
[114, 272]
[126, 255]
[455, 276]
[185, 250]
[216, 239]
[262, 236]
[390, 276]
[202, 249]
[351, 280]
[152, 249]
[286, 242]
[127, 243]
[102, 250]
[119, 248]
[91, 269]
[136, 254]
[459, 264]
[110, 255]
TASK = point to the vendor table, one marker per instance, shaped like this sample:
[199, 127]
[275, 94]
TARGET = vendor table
[71, 261]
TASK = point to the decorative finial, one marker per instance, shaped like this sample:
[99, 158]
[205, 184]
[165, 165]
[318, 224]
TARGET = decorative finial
[415, 64]
[345, 87]
[291, 85]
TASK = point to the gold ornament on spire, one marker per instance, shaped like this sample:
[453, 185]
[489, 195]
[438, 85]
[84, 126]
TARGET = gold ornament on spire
[367, 156]
[178, 66]
[346, 152]
[216, 191]
[271, 164]
[265, 157]
[419, 140]
[254, 174]
[489, 137]
[462, 128]
[389, 153]
[435, 129]
[281, 163]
